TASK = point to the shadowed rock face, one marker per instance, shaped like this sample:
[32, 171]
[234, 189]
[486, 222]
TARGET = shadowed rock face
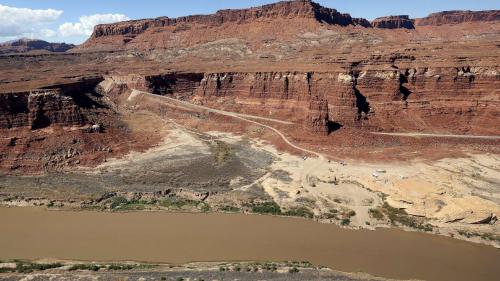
[27, 45]
[63, 105]
[456, 17]
[393, 22]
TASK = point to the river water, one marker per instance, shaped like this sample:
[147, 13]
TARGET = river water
[158, 237]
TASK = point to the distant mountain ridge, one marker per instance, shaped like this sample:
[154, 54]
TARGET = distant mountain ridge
[25, 45]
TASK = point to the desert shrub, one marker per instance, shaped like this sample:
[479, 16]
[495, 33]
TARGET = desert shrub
[399, 216]
[231, 209]
[299, 212]
[90, 267]
[267, 208]
[376, 214]
[27, 267]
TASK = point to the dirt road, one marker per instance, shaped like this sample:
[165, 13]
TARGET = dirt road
[416, 135]
[244, 117]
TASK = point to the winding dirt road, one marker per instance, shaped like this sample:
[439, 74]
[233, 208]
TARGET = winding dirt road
[244, 117]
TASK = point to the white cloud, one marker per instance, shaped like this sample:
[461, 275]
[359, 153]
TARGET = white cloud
[18, 22]
[86, 24]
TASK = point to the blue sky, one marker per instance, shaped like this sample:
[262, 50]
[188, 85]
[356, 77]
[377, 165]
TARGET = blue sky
[72, 20]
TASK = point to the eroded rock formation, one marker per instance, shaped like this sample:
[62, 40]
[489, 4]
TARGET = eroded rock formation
[393, 22]
[59, 105]
[457, 17]
[284, 9]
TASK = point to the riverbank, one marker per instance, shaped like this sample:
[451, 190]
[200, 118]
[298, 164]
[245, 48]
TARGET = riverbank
[55, 270]
[158, 237]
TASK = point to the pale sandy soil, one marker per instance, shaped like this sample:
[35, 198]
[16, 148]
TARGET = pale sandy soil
[454, 193]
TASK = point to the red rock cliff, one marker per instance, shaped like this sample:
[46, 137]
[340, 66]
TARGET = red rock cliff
[285, 9]
[455, 17]
[393, 22]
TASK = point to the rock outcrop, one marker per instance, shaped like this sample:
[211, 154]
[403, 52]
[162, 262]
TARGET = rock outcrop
[456, 17]
[61, 105]
[393, 22]
[27, 45]
[373, 100]
[284, 10]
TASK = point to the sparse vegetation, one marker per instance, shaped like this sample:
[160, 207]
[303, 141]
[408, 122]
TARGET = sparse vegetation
[230, 209]
[293, 270]
[331, 214]
[269, 207]
[27, 267]
[485, 236]
[376, 214]
[299, 212]
[118, 201]
[121, 266]
[221, 152]
[178, 203]
[399, 216]
[89, 267]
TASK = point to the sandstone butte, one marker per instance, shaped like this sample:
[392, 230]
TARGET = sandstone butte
[337, 78]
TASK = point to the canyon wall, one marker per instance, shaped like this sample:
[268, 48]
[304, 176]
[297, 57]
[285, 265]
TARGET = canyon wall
[58, 105]
[446, 100]
[285, 9]
[457, 17]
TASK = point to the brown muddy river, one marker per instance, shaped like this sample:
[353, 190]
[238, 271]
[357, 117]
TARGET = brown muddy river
[29, 233]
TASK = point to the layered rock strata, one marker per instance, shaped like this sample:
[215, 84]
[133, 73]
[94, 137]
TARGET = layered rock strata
[393, 22]
[59, 105]
[457, 17]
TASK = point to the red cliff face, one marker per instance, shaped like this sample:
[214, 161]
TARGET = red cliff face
[288, 96]
[63, 105]
[413, 99]
[456, 17]
[393, 22]
[38, 109]
[283, 10]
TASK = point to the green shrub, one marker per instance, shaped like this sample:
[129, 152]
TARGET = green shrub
[267, 208]
[118, 201]
[376, 214]
[293, 270]
[27, 267]
[90, 267]
[346, 222]
[121, 267]
[178, 203]
[299, 212]
[231, 209]
[399, 216]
